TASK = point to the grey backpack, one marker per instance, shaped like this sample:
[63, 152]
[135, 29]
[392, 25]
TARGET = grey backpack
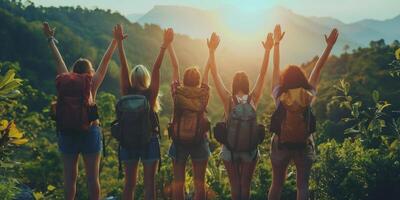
[133, 128]
[243, 132]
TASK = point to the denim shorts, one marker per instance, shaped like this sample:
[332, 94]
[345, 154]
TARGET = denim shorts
[147, 155]
[84, 143]
[282, 156]
[226, 155]
[199, 152]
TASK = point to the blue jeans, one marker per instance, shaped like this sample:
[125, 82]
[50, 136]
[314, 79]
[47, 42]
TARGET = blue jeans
[84, 143]
[147, 155]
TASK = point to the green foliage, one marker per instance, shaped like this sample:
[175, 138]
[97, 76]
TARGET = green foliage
[366, 165]
[349, 170]
[10, 136]
[8, 188]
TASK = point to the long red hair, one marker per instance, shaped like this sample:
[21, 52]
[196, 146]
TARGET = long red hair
[294, 77]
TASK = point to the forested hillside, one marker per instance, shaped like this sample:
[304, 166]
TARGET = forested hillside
[358, 137]
[81, 33]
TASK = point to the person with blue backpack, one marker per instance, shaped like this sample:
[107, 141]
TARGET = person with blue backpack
[137, 128]
[293, 123]
[240, 133]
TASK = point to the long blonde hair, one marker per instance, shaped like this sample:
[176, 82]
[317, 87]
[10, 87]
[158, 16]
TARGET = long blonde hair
[140, 79]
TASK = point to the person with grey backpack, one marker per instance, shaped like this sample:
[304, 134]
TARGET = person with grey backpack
[137, 128]
[239, 133]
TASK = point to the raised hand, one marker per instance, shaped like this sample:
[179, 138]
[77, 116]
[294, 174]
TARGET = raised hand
[331, 40]
[47, 30]
[118, 33]
[269, 42]
[213, 42]
[278, 35]
[168, 37]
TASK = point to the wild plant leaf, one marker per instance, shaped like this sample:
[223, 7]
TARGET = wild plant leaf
[3, 125]
[19, 141]
[375, 96]
[7, 78]
[50, 188]
[14, 132]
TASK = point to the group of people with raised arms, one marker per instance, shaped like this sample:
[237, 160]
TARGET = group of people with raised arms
[293, 123]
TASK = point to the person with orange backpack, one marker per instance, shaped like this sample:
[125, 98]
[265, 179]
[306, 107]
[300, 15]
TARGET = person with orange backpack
[293, 121]
[189, 127]
[77, 120]
[240, 133]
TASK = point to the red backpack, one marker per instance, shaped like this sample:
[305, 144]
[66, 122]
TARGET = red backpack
[73, 101]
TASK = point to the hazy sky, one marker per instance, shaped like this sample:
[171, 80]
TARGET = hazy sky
[345, 10]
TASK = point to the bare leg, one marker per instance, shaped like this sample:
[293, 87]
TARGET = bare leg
[199, 171]
[92, 166]
[234, 179]
[247, 172]
[303, 170]
[130, 180]
[70, 175]
[278, 179]
[149, 180]
[179, 181]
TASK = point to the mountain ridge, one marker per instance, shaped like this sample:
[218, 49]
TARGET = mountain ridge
[200, 23]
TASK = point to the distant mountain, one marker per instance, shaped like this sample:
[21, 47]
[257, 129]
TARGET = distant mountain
[390, 28]
[200, 23]
[241, 33]
[185, 20]
[134, 17]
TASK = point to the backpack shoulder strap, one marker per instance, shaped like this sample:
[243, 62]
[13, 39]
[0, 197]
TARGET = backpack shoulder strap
[249, 98]
[234, 100]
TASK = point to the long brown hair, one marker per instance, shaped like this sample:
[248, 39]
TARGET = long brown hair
[294, 77]
[82, 66]
[240, 83]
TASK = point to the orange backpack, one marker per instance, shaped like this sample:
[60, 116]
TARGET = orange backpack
[190, 123]
[293, 122]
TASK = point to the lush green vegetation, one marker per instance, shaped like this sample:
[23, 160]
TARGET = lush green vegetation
[358, 137]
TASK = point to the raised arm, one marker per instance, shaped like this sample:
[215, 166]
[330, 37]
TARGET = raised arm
[125, 82]
[175, 63]
[49, 33]
[259, 86]
[278, 36]
[102, 69]
[206, 72]
[155, 75]
[223, 93]
[316, 72]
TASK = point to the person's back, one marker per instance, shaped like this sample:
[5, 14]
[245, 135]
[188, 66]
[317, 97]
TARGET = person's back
[144, 87]
[293, 122]
[294, 126]
[77, 120]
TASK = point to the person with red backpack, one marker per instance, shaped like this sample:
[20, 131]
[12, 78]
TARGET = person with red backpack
[240, 133]
[293, 122]
[189, 127]
[77, 120]
[137, 128]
